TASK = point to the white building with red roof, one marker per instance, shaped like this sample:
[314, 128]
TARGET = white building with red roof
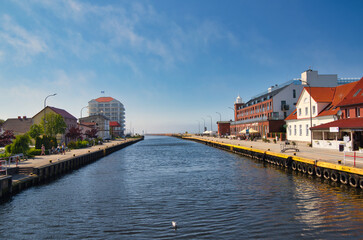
[348, 129]
[324, 109]
[112, 109]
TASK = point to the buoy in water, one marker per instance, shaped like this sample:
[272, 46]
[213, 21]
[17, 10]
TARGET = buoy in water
[175, 226]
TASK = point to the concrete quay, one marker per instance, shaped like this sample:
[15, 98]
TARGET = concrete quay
[319, 154]
[314, 162]
[44, 168]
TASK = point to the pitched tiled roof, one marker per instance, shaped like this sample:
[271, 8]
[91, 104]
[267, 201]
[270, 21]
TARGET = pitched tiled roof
[347, 123]
[339, 94]
[321, 94]
[114, 124]
[63, 113]
[355, 96]
[18, 125]
[104, 99]
[292, 116]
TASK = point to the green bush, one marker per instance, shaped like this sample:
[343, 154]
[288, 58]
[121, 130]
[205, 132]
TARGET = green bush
[82, 144]
[72, 145]
[37, 152]
[48, 142]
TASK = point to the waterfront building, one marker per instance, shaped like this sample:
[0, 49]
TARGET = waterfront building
[100, 122]
[112, 109]
[324, 108]
[347, 130]
[265, 112]
[18, 126]
[224, 128]
[69, 119]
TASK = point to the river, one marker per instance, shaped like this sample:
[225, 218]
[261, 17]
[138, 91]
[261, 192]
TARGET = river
[136, 192]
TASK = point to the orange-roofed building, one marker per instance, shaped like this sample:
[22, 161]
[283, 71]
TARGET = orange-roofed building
[324, 109]
[348, 129]
[112, 109]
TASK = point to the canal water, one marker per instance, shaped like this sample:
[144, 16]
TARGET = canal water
[136, 192]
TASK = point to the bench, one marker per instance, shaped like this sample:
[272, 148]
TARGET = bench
[287, 146]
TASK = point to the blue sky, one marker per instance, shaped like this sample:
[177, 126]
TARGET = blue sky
[170, 63]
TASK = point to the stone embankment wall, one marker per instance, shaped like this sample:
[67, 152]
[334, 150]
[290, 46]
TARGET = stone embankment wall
[338, 173]
[47, 172]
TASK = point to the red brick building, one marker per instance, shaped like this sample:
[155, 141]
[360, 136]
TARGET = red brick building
[224, 128]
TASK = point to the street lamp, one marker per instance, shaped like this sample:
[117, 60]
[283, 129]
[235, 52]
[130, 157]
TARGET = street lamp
[311, 118]
[82, 109]
[233, 111]
[45, 104]
[204, 124]
[234, 115]
[211, 129]
[198, 126]
[220, 116]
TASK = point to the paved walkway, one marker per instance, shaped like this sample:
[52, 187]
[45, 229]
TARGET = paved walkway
[43, 160]
[326, 155]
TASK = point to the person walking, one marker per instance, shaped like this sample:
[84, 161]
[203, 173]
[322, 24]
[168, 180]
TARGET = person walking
[43, 150]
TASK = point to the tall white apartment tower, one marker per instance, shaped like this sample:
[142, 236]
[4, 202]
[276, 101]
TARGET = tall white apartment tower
[112, 109]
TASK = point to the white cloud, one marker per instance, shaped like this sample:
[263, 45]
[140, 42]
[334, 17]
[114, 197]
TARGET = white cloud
[23, 42]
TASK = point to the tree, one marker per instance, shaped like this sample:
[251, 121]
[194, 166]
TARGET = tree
[54, 124]
[36, 130]
[74, 133]
[1, 122]
[92, 133]
[20, 144]
[6, 138]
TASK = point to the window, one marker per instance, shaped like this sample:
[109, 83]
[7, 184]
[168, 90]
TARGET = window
[306, 111]
[307, 129]
[355, 94]
[347, 115]
[314, 109]
[299, 111]
[357, 112]
[300, 130]
[294, 93]
[294, 130]
[290, 130]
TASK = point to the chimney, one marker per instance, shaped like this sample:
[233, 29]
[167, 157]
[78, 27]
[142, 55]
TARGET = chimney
[19, 117]
[24, 117]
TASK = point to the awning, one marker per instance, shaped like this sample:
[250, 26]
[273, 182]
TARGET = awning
[348, 123]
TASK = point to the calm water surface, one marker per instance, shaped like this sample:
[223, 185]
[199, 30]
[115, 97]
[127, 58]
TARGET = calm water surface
[136, 192]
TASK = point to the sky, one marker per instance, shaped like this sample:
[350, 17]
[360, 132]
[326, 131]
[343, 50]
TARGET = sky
[171, 63]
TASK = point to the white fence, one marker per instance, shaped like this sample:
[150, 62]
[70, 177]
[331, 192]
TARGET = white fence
[355, 157]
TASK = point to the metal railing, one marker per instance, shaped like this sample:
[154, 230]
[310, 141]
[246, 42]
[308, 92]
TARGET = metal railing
[352, 156]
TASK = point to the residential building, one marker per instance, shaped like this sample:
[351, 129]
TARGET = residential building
[101, 123]
[324, 108]
[112, 109]
[266, 111]
[69, 119]
[347, 130]
[18, 126]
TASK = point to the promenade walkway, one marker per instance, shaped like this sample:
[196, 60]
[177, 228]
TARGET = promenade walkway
[326, 155]
[38, 161]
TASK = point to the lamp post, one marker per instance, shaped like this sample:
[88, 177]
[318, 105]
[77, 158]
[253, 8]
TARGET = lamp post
[45, 104]
[311, 117]
[204, 124]
[234, 115]
[198, 126]
[233, 112]
[82, 109]
[220, 116]
[211, 129]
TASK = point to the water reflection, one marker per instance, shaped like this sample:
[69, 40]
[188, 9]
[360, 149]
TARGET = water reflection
[136, 193]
